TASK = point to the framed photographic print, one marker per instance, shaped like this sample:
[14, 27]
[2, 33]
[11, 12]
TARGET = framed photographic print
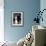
[17, 18]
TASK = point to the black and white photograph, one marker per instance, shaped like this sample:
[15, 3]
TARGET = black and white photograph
[17, 18]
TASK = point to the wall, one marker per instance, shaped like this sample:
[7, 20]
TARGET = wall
[29, 7]
[43, 6]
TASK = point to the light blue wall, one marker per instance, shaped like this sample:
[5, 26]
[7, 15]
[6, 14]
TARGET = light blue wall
[43, 6]
[29, 7]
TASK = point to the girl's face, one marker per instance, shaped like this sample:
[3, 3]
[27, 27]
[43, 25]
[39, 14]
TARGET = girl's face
[15, 17]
